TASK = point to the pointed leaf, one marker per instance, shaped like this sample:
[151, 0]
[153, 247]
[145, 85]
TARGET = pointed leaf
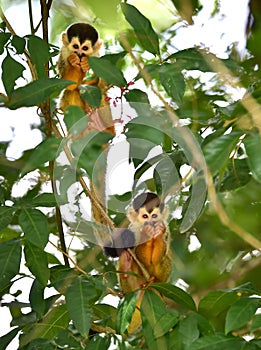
[126, 309]
[240, 313]
[215, 302]
[165, 175]
[11, 71]
[143, 29]
[219, 342]
[35, 92]
[217, 151]
[165, 323]
[36, 298]
[37, 263]
[10, 258]
[18, 43]
[92, 95]
[39, 53]
[136, 95]
[4, 37]
[173, 82]
[6, 216]
[253, 146]
[152, 309]
[79, 296]
[46, 151]
[34, 224]
[6, 339]
[44, 200]
[55, 321]
[188, 329]
[177, 294]
[105, 69]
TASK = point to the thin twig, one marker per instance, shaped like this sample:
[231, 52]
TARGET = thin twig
[69, 258]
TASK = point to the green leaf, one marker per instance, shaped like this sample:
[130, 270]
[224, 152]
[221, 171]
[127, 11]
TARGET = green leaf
[79, 295]
[10, 258]
[4, 37]
[99, 343]
[6, 339]
[166, 175]
[173, 82]
[126, 309]
[165, 323]
[107, 314]
[46, 151]
[6, 216]
[236, 176]
[55, 321]
[34, 224]
[174, 293]
[215, 302]
[36, 298]
[219, 342]
[240, 313]
[143, 29]
[44, 200]
[35, 92]
[36, 261]
[91, 94]
[253, 146]
[106, 70]
[256, 324]
[75, 120]
[136, 95]
[114, 58]
[196, 203]
[61, 277]
[217, 151]
[39, 54]
[39, 343]
[203, 60]
[11, 71]
[152, 309]
[188, 329]
[18, 43]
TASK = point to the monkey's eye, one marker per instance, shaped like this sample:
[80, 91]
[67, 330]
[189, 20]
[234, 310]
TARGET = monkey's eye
[85, 48]
[75, 46]
[154, 216]
[145, 216]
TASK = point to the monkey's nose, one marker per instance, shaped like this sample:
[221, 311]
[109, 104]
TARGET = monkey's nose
[81, 55]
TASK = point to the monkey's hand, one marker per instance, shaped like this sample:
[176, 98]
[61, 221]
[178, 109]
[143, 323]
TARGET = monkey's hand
[160, 229]
[84, 64]
[74, 60]
[147, 232]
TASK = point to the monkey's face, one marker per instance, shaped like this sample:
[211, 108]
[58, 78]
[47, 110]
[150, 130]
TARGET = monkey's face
[81, 49]
[149, 218]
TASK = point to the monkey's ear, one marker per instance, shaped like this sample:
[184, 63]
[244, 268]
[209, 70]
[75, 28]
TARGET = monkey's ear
[97, 46]
[132, 214]
[65, 39]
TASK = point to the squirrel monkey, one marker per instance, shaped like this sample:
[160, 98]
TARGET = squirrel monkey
[79, 42]
[143, 249]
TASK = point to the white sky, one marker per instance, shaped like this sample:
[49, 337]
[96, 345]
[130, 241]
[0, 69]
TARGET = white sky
[216, 33]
